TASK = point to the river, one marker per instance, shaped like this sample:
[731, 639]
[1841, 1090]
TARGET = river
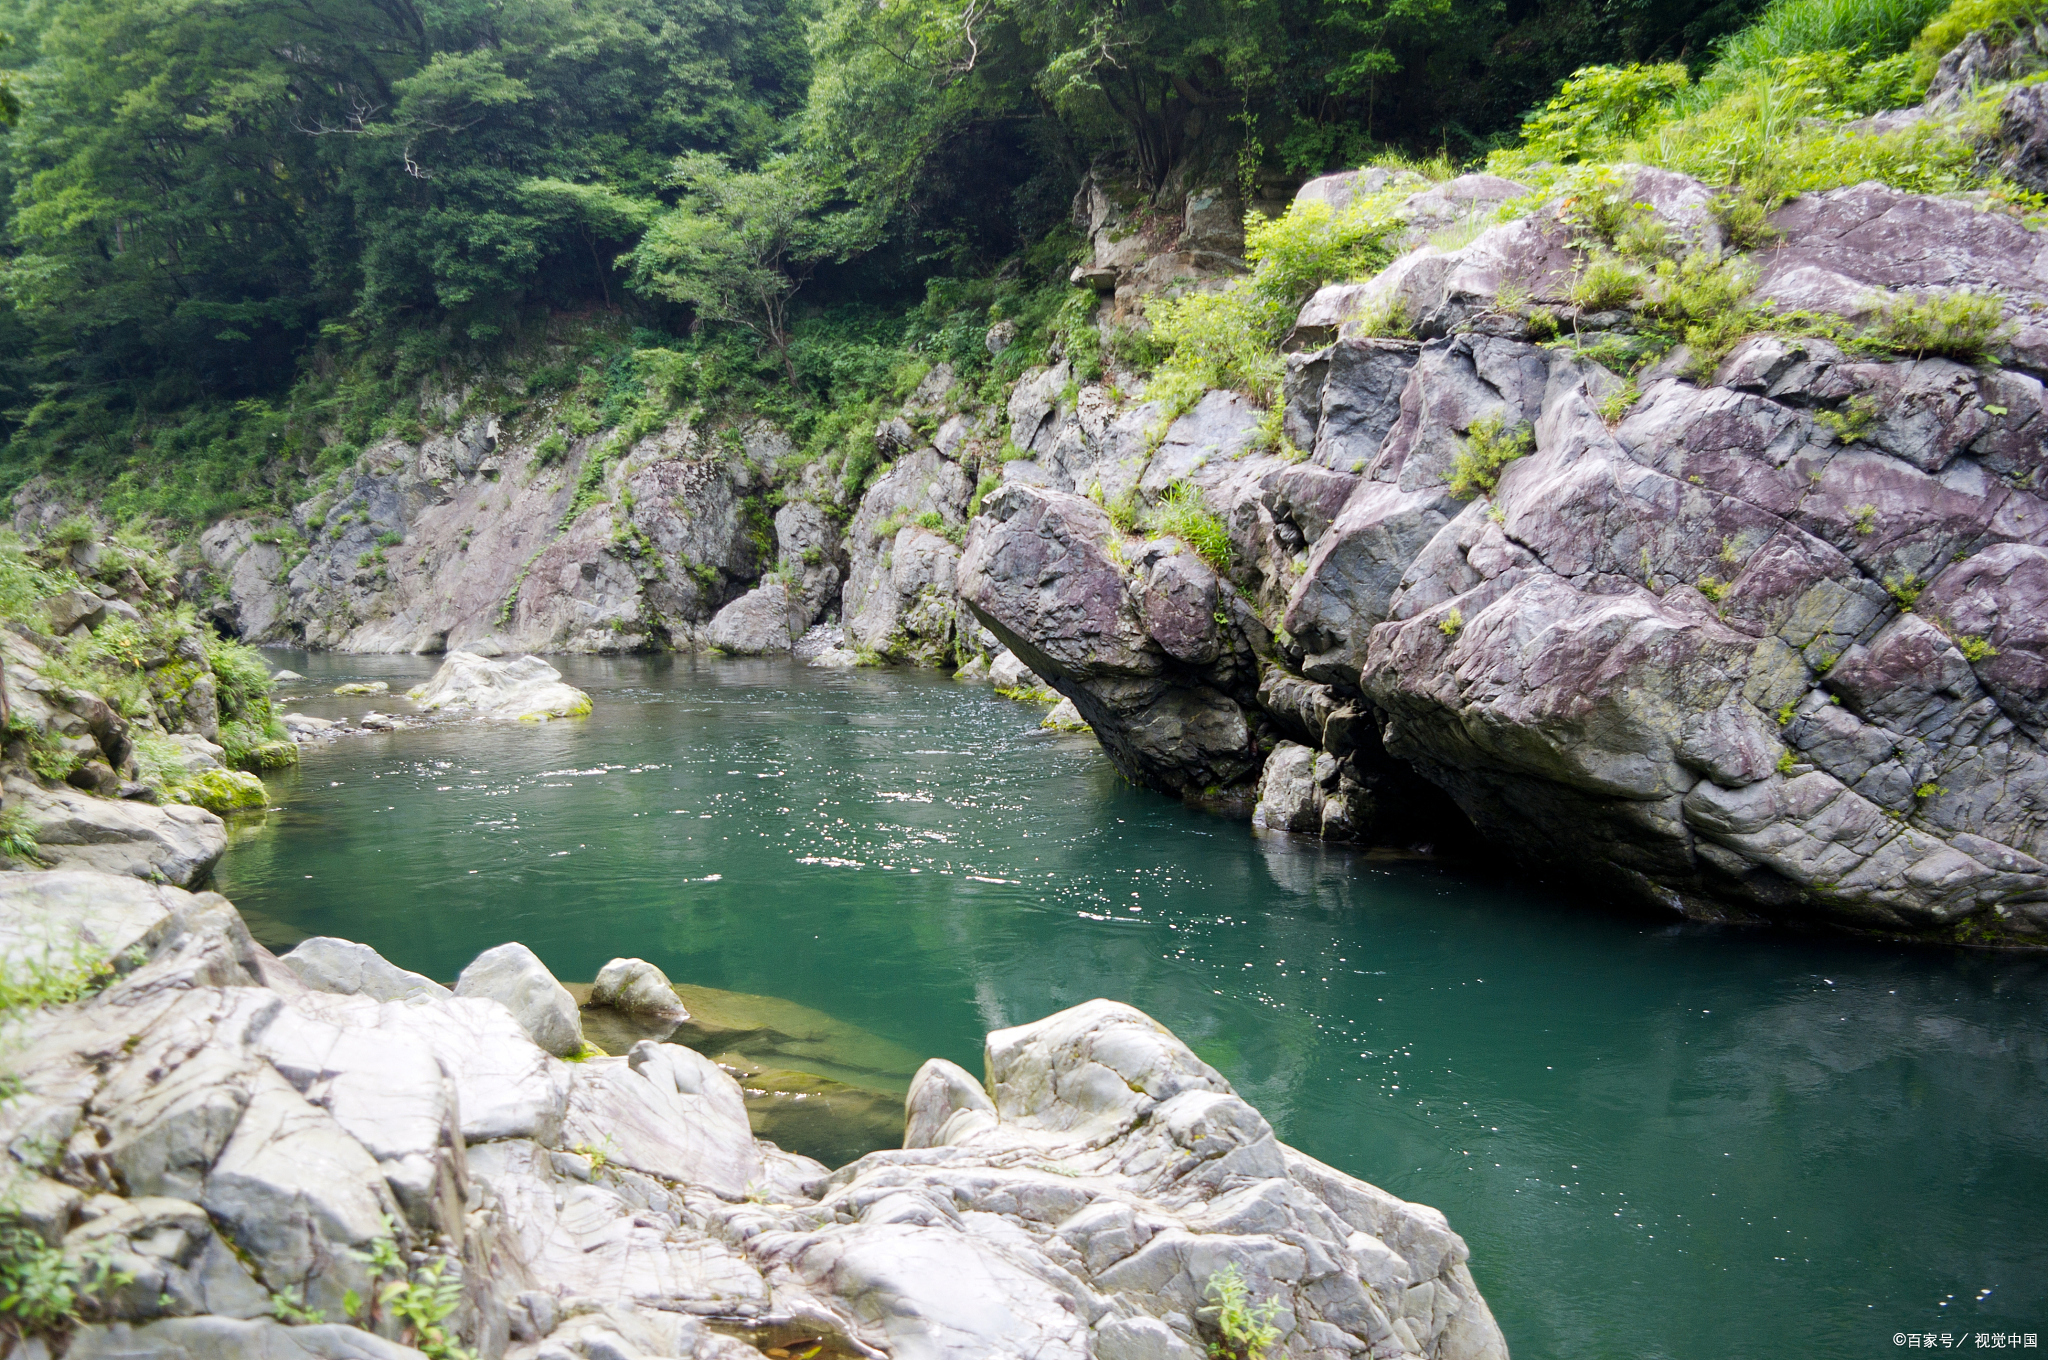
[1660, 1140]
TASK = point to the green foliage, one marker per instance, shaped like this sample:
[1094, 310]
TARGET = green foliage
[743, 242]
[1617, 404]
[1228, 338]
[420, 1297]
[1975, 648]
[18, 836]
[1866, 519]
[1854, 421]
[1790, 29]
[1247, 1329]
[1605, 284]
[51, 974]
[1769, 118]
[1309, 245]
[1599, 107]
[989, 482]
[1996, 19]
[1954, 325]
[1181, 514]
[42, 1290]
[550, 450]
[1905, 589]
[1489, 447]
[1452, 623]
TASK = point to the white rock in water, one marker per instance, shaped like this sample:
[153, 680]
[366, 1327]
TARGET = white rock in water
[638, 988]
[283, 676]
[1065, 718]
[524, 689]
[974, 672]
[836, 659]
[1008, 672]
[514, 976]
[349, 969]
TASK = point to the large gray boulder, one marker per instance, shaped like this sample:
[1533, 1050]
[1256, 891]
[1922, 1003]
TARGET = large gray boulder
[638, 988]
[899, 597]
[1720, 660]
[1143, 1135]
[513, 976]
[349, 969]
[524, 689]
[222, 1338]
[761, 622]
[1037, 571]
[175, 843]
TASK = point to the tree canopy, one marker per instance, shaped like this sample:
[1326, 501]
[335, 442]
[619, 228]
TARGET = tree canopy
[202, 195]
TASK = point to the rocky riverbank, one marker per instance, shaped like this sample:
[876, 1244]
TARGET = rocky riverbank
[229, 1154]
[1687, 551]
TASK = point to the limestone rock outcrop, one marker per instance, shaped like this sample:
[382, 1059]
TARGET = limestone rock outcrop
[230, 1138]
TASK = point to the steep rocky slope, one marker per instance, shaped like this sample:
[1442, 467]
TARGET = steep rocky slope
[211, 1144]
[129, 724]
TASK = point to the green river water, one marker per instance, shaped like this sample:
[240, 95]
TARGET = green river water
[1659, 1140]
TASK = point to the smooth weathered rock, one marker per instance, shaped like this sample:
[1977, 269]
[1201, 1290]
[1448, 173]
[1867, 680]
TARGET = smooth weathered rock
[349, 969]
[899, 599]
[219, 1338]
[1064, 717]
[176, 843]
[759, 623]
[1288, 797]
[513, 976]
[524, 689]
[639, 988]
[246, 556]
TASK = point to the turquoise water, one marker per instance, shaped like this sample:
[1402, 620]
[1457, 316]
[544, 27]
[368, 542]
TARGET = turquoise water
[1659, 1140]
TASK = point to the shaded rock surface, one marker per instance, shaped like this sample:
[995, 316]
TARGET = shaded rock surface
[226, 1135]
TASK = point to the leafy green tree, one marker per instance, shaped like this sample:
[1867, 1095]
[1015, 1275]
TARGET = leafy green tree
[744, 242]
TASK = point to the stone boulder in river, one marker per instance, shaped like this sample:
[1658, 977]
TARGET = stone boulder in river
[637, 987]
[229, 1137]
[524, 689]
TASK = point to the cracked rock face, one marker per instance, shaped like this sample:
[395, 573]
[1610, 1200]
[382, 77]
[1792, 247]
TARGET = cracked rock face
[226, 1135]
[1746, 666]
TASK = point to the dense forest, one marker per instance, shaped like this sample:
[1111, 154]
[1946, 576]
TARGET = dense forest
[236, 229]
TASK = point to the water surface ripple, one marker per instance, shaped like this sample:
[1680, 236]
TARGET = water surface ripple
[1659, 1140]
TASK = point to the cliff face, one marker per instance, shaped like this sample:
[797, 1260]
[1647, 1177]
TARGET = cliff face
[471, 537]
[211, 1138]
[1752, 635]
